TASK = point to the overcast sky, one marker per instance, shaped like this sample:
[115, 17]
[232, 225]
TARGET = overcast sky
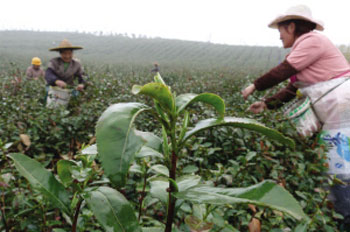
[234, 22]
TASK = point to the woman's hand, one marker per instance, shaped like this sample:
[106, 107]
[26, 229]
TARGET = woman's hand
[257, 107]
[80, 87]
[61, 84]
[247, 91]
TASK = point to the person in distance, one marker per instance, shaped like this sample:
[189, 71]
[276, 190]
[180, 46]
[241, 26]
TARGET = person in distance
[34, 71]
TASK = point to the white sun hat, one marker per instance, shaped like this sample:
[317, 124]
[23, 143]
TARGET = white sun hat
[297, 12]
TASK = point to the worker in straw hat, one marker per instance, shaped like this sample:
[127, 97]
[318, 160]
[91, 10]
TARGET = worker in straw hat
[61, 73]
[319, 71]
[34, 71]
[62, 70]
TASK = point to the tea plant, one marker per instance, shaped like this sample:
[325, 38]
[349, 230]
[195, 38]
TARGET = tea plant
[67, 193]
[118, 141]
[223, 157]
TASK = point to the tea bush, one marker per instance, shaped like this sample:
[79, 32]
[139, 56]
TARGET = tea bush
[225, 157]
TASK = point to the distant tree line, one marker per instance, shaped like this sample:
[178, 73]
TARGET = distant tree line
[21, 46]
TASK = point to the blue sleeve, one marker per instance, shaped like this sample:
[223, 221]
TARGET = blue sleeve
[50, 77]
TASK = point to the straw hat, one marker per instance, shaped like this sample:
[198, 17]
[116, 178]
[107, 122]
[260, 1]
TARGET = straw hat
[297, 12]
[65, 44]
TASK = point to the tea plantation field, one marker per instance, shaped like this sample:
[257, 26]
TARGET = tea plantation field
[54, 185]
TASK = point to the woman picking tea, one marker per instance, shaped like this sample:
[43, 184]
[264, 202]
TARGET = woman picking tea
[319, 70]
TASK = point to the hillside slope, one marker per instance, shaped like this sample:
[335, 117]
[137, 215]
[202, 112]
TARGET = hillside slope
[21, 46]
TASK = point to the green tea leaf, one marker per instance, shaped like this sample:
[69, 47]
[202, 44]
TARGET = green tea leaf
[64, 171]
[152, 229]
[148, 152]
[117, 140]
[158, 78]
[42, 180]
[90, 150]
[302, 227]
[158, 188]
[160, 184]
[160, 169]
[112, 210]
[159, 92]
[152, 141]
[187, 181]
[184, 100]
[197, 225]
[190, 169]
[240, 123]
[267, 194]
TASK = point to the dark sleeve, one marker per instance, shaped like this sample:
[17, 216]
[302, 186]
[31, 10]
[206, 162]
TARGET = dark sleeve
[80, 74]
[281, 97]
[50, 77]
[275, 76]
[81, 79]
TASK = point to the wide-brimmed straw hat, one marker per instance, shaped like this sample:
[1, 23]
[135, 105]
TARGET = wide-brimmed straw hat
[65, 44]
[297, 12]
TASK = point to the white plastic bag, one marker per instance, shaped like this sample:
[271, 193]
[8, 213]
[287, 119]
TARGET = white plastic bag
[330, 99]
[333, 110]
[338, 141]
[57, 97]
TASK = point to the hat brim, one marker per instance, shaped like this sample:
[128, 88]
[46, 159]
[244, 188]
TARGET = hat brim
[57, 49]
[282, 18]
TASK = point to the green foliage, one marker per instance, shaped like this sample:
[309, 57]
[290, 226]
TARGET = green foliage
[160, 92]
[64, 170]
[240, 123]
[42, 180]
[115, 125]
[224, 157]
[265, 194]
[112, 210]
[117, 141]
[184, 100]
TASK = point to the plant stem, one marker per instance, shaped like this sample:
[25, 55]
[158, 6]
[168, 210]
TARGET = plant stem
[318, 208]
[2, 207]
[172, 200]
[75, 220]
[240, 170]
[143, 193]
[44, 217]
[172, 175]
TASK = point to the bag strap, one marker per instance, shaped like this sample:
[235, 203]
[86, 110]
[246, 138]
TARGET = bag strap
[330, 90]
[327, 92]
